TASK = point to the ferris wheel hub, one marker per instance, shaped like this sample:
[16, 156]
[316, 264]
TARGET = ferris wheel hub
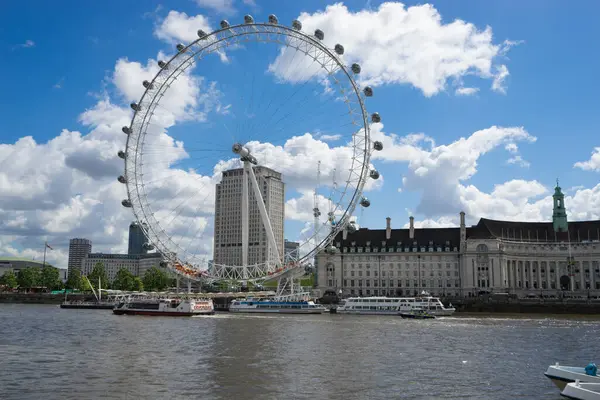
[244, 153]
[240, 149]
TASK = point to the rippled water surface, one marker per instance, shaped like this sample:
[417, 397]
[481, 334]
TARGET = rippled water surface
[49, 353]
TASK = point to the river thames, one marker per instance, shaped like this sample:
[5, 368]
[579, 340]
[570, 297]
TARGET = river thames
[49, 353]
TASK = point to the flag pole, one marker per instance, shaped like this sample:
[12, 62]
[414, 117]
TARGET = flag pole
[44, 262]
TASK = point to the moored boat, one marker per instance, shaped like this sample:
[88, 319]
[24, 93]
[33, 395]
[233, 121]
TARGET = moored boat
[394, 305]
[581, 391]
[416, 314]
[291, 304]
[562, 375]
[88, 305]
[165, 307]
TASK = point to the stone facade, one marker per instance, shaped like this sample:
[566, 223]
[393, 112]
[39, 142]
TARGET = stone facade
[136, 264]
[552, 259]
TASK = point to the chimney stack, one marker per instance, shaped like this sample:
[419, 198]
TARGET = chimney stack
[463, 233]
[388, 228]
[411, 233]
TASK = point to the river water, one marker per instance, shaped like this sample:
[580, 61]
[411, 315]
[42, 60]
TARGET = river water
[50, 353]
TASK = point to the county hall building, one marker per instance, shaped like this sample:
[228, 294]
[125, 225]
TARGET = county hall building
[522, 258]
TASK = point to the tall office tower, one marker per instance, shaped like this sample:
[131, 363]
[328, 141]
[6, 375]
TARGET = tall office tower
[78, 251]
[291, 251]
[137, 239]
[228, 217]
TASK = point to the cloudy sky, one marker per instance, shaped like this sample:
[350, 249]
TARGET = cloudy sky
[483, 107]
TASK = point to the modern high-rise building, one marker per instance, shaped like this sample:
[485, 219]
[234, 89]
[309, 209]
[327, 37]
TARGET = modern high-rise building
[137, 239]
[291, 251]
[78, 250]
[228, 217]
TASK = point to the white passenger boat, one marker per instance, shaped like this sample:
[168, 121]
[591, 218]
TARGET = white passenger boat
[298, 303]
[394, 306]
[581, 391]
[562, 375]
[165, 307]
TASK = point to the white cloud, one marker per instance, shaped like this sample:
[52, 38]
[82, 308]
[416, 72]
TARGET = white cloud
[518, 160]
[395, 44]
[59, 84]
[466, 91]
[438, 172]
[512, 148]
[442, 222]
[178, 27]
[327, 138]
[225, 7]
[74, 192]
[593, 164]
[28, 43]
[221, 6]
[498, 84]
[441, 174]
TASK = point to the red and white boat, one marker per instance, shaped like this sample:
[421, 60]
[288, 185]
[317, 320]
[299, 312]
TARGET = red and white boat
[166, 307]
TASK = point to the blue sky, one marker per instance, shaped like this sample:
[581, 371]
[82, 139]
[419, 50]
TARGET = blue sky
[69, 64]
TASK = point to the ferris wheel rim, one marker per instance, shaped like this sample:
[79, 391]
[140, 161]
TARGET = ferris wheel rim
[135, 186]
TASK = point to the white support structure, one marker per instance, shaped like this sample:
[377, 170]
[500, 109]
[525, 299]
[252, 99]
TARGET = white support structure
[263, 214]
[316, 211]
[245, 220]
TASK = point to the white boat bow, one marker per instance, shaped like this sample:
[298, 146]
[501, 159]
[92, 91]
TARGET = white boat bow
[561, 375]
[581, 391]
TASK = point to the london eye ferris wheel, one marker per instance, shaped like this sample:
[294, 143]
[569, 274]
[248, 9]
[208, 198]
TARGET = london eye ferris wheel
[290, 127]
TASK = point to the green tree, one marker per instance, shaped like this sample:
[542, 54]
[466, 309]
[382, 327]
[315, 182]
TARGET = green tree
[98, 274]
[155, 279]
[124, 280]
[85, 285]
[9, 279]
[50, 278]
[138, 285]
[74, 281]
[29, 277]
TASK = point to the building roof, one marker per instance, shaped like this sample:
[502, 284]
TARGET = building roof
[534, 231]
[26, 260]
[124, 256]
[579, 231]
[401, 237]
